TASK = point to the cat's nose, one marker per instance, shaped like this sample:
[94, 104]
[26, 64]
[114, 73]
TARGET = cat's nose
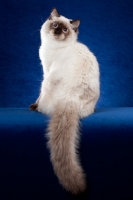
[58, 31]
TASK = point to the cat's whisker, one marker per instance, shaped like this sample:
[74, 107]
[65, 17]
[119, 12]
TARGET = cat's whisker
[35, 31]
[42, 19]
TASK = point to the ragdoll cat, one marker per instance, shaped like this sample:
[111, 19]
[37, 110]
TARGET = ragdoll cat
[69, 91]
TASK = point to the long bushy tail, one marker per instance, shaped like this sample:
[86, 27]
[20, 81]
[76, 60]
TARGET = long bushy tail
[63, 140]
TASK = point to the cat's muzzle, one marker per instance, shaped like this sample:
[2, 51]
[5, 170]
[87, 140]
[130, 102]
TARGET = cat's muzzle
[58, 31]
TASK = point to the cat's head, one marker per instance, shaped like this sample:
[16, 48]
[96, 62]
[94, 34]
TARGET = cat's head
[60, 28]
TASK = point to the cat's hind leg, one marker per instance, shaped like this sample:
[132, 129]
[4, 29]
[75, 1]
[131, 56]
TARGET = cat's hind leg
[34, 106]
[87, 110]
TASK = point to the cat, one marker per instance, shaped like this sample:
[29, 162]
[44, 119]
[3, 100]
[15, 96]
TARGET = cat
[69, 91]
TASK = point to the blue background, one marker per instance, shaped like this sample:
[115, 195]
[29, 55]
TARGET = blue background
[106, 28]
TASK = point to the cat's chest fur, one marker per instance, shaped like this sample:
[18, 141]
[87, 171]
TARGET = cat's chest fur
[59, 62]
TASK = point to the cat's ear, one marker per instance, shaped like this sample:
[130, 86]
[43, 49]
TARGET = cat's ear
[75, 23]
[54, 13]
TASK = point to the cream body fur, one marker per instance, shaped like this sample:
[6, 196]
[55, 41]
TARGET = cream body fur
[69, 91]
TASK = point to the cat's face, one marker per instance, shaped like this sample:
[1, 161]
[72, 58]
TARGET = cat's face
[61, 28]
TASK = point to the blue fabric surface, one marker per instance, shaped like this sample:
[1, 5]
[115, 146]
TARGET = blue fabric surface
[106, 152]
[106, 28]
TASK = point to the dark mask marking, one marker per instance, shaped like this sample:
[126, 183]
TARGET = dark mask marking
[59, 29]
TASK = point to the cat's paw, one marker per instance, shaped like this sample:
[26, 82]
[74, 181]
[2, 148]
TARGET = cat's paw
[34, 107]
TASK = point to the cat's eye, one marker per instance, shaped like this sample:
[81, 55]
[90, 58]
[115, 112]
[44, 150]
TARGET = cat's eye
[65, 30]
[55, 25]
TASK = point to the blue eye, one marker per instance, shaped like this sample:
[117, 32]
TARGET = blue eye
[65, 30]
[55, 25]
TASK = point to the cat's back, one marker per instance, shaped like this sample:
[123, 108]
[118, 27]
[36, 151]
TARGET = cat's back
[82, 51]
[84, 56]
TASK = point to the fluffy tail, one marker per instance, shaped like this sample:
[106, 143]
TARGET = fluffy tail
[63, 140]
